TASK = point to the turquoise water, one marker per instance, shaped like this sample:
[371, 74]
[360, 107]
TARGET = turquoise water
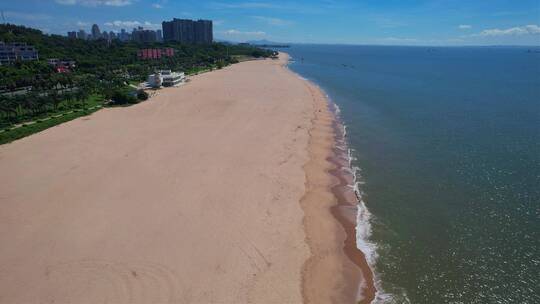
[448, 144]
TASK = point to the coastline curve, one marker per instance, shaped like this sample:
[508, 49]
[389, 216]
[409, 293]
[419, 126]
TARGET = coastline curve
[335, 262]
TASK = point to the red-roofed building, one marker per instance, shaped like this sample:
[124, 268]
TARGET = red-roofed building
[62, 69]
[62, 66]
[155, 53]
[169, 52]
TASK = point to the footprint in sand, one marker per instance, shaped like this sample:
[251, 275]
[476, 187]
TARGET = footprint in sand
[97, 281]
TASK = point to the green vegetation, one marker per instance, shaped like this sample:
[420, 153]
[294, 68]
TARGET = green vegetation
[30, 121]
[22, 108]
[33, 90]
[142, 95]
[9, 135]
[124, 96]
[242, 58]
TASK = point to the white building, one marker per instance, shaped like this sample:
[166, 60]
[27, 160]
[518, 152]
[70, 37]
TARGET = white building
[166, 78]
[170, 79]
[154, 80]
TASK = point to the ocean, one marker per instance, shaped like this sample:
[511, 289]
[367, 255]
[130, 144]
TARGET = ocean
[446, 144]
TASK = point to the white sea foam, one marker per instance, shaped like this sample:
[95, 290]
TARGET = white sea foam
[337, 110]
[364, 219]
[363, 232]
[341, 147]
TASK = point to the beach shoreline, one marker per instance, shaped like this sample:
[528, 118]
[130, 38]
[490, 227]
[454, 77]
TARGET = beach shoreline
[329, 198]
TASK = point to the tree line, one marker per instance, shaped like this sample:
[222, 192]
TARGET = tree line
[30, 88]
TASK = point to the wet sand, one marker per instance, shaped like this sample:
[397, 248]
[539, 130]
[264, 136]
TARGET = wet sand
[335, 259]
[346, 209]
[190, 197]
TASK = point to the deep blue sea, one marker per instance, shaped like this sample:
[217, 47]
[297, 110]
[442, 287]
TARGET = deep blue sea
[448, 145]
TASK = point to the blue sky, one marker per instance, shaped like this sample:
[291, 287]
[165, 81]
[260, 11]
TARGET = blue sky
[403, 22]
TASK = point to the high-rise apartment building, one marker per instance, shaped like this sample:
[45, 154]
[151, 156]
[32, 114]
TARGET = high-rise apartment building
[82, 35]
[72, 35]
[168, 30]
[203, 31]
[188, 31]
[141, 35]
[96, 34]
[124, 36]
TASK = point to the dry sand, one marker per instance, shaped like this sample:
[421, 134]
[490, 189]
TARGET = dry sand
[195, 196]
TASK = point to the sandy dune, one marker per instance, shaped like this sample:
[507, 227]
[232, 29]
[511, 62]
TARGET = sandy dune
[191, 197]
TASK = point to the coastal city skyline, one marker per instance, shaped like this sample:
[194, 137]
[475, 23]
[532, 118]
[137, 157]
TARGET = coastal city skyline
[179, 30]
[499, 22]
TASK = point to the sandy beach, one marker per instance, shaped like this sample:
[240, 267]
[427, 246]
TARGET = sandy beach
[218, 191]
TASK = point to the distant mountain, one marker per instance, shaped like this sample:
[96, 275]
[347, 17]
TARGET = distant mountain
[265, 42]
[223, 41]
[262, 42]
[268, 44]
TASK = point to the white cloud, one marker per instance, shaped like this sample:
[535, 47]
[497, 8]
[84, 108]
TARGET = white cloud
[113, 2]
[531, 29]
[157, 5]
[131, 24]
[119, 23]
[272, 21]
[81, 23]
[241, 33]
[245, 5]
[96, 2]
[464, 27]
[151, 25]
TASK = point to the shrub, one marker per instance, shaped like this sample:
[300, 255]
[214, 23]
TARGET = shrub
[258, 53]
[122, 97]
[142, 95]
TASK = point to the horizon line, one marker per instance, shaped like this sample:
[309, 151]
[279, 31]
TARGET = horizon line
[329, 43]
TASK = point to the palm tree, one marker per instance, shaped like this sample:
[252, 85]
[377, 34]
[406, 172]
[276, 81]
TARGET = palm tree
[55, 98]
[7, 107]
[82, 95]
